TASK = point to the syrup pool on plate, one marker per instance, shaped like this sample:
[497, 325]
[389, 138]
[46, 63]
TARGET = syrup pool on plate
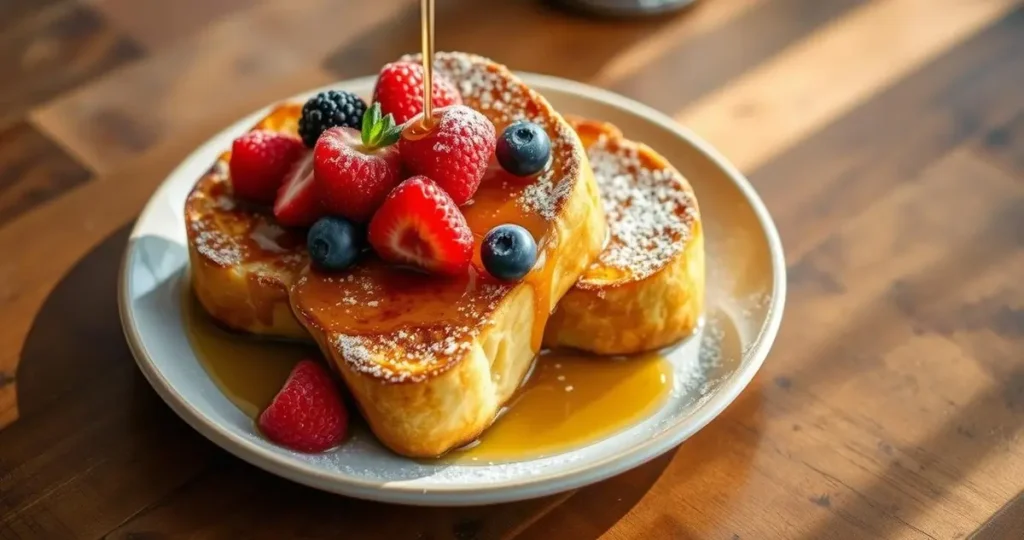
[569, 401]
[248, 371]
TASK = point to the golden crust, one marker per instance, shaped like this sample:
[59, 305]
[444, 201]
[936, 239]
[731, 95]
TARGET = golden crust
[242, 262]
[650, 293]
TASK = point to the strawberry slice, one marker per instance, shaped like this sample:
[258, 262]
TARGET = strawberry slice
[307, 414]
[298, 204]
[420, 224]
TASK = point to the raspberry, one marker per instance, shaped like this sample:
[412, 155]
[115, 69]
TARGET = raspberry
[454, 153]
[329, 109]
[399, 91]
[259, 161]
[307, 414]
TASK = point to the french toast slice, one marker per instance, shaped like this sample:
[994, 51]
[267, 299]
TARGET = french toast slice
[645, 290]
[431, 360]
[242, 262]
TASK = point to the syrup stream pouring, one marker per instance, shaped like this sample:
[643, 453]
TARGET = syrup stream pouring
[427, 44]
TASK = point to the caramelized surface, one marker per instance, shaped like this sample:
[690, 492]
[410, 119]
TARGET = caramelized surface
[228, 232]
[428, 316]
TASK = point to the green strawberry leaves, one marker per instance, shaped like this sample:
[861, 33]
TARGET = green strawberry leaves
[378, 132]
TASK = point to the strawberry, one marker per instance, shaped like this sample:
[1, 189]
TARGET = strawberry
[399, 90]
[298, 204]
[259, 161]
[419, 224]
[454, 152]
[307, 414]
[356, 170]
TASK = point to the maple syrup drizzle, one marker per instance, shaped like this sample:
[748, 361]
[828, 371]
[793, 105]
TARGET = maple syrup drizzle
[541, 281]
[249, 371]
[569, 401]
[427, 44]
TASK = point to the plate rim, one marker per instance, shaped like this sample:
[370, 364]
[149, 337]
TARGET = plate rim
[569, 476]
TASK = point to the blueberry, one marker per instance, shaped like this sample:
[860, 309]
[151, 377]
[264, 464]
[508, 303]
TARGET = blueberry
[523, 148]
[508, 252]
[333, 243]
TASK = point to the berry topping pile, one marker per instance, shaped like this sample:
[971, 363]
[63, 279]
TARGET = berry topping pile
[307, 414]
[384, 177]
[454, 152]
[399, 91]
[329, 109]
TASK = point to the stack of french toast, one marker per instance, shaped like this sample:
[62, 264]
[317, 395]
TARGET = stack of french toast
[432, 256]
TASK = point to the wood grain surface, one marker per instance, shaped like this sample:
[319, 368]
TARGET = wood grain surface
[886, 137]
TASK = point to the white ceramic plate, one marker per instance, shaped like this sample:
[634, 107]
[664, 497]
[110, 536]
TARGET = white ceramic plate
[746, 290]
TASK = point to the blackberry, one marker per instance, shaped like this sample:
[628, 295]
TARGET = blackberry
[330, 109]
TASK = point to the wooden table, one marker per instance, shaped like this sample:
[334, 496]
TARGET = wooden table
[886, 136]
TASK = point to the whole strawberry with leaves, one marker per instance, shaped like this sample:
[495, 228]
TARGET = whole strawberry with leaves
[356, 169]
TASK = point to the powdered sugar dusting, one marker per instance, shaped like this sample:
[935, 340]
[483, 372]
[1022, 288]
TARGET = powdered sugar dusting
[227, 232]
[215, 244]
[266, 234]
[650, 211]
[499, 95]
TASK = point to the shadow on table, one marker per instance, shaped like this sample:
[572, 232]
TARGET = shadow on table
[75, 338]
[527, 35]
[93, 443]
